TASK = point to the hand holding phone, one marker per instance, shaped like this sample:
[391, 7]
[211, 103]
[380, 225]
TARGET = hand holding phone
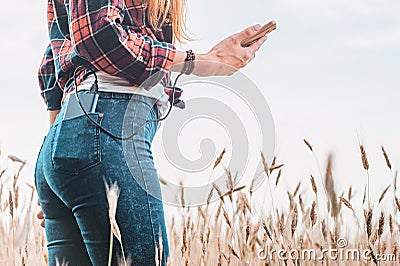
[267, 28]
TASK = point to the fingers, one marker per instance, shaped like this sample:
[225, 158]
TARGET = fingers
[231, 53]
[249, 53]
[40, 215]
[247, 32]
[253, 48]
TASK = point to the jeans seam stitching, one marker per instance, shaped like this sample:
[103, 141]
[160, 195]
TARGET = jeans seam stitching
[146, 190]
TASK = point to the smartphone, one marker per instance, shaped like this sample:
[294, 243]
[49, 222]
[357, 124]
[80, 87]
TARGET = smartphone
[267, 28]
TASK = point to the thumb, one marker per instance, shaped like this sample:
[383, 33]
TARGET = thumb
[248, 31]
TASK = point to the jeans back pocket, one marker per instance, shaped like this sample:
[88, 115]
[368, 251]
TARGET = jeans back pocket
[76, 144]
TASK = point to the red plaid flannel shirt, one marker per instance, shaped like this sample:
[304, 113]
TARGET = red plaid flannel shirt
[113, 36]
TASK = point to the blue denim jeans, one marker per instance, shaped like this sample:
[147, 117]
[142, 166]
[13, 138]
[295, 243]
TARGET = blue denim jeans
[74, 163]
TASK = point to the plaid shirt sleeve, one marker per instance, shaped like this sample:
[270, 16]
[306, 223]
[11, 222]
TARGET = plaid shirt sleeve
[51, 92]
[99, 37]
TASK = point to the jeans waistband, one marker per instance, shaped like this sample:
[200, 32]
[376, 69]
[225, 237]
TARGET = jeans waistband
[123, 96]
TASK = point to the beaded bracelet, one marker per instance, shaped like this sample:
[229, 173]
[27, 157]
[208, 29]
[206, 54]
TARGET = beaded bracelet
[189, 62]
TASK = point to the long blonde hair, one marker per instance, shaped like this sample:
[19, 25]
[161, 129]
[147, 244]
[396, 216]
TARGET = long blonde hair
[174, 11]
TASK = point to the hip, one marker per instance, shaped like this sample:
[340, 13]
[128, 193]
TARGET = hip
[75, 145]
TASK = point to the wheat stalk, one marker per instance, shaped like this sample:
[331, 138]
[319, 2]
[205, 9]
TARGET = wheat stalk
[112, 199]
[388, 164]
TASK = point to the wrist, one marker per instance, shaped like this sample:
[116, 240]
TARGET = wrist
[205, 64]
[189, 65]
[202, 57]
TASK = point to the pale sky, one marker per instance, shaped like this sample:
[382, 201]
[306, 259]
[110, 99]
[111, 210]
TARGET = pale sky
[329, 72]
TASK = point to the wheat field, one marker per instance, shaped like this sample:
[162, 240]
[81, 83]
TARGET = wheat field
[233, 231]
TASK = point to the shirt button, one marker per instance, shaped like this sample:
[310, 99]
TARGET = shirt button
[140, 58]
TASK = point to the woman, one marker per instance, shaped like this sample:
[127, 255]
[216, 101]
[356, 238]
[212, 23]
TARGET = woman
[125, 43]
